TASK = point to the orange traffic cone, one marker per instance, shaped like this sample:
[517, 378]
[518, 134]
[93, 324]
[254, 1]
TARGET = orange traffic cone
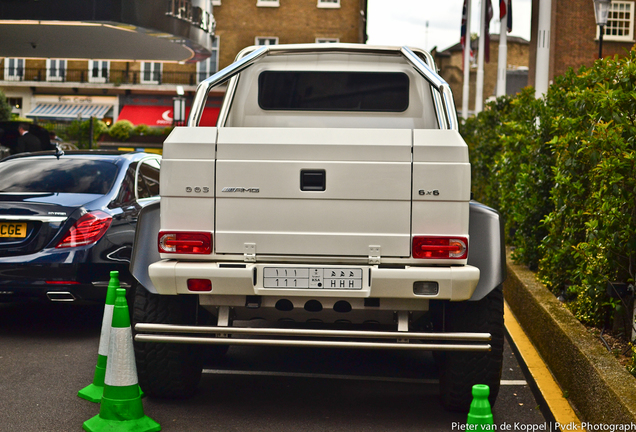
[121, 408]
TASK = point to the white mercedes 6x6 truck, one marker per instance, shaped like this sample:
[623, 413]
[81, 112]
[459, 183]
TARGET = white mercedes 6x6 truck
[330, 208]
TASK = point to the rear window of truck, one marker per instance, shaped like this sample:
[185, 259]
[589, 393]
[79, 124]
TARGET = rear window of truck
[333, 91]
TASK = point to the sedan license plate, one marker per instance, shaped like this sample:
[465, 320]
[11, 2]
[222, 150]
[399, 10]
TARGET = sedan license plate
[312, 278]
[13, 229]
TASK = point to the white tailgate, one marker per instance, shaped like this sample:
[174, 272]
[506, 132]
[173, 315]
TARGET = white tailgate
[366, 201]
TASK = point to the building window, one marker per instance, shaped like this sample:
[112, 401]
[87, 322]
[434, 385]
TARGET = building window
[150, 73]
[620, 22]
[210, 66]
[267, 3]
[98, 71]
[13, 69]
[266, 40]
[327, 40]
[15, 104]
[55, 70]
[328, 3]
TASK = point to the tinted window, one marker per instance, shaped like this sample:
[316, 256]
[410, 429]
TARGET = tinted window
[333, 91]
[148, 180]
[57, 176]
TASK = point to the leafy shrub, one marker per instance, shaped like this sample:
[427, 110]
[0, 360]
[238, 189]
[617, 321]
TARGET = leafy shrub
[142, 129]
[561, 171]
[121, 130]
[5, 108]
[79, 131]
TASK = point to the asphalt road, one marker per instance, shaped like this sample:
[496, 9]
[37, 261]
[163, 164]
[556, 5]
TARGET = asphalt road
[48, 352]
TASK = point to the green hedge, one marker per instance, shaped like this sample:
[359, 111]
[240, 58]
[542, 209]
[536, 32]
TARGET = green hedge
[562, 171]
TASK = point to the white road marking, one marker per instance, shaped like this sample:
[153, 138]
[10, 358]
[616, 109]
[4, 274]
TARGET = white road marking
[342, 377]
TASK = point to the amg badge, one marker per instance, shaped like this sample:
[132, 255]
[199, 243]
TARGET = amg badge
[240, 189]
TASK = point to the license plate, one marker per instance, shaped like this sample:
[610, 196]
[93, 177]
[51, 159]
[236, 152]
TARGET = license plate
[13, 229]
[312, 278]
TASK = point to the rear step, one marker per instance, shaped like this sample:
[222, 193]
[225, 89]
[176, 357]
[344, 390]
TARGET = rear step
[312, 338]
[60, 296]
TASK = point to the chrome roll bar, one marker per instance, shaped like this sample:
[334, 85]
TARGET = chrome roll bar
[447, 114]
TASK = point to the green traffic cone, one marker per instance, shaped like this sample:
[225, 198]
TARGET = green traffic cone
[480, 413]
[93, 392]
[121, 408]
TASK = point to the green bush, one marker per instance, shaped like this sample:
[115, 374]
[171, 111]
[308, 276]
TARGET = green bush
[121, 130]
[79, 131]
[592, 228]
[142, 129]
[5, 108]
[561, 171]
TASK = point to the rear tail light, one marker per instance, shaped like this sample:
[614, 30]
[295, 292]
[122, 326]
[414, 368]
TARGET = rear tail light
[87, 230]
[440, 247]
[185, 242]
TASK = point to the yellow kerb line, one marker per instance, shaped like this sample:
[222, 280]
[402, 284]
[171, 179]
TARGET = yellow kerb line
[552, 393]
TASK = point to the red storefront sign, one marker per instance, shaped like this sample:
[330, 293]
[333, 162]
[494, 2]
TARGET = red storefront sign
[153, 115]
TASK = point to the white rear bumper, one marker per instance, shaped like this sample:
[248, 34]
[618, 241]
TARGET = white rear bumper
[455, 283]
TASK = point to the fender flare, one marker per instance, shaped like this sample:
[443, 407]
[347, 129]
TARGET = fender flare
[145, 250]
[487, 249]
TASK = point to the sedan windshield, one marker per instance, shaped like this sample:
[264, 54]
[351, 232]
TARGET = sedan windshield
[54, 175]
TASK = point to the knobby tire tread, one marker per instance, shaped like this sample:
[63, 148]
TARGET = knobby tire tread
[459, 371]
[166, 370]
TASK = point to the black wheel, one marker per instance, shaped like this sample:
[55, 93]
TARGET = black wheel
[459, 371]
[167, 370]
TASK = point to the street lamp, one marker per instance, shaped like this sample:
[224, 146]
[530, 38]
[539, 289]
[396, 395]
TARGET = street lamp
[601, 10]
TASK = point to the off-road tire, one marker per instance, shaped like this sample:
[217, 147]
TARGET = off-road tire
[167, 370]
[459, 371]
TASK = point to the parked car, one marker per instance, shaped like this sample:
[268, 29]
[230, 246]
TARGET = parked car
[67, 220]
[9, 137]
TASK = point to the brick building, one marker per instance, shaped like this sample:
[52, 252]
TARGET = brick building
[573, 39]
[60, 89]
[449, 62]
[241, 23]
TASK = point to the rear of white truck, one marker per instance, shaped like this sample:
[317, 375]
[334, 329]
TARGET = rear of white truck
[329, 208]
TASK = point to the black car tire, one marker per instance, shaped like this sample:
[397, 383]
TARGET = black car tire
[167, 370]
[459, 371]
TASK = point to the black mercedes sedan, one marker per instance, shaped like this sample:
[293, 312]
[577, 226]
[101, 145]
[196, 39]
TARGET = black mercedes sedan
[67, 220]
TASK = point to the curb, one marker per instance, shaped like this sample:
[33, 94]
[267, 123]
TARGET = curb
[597, 385]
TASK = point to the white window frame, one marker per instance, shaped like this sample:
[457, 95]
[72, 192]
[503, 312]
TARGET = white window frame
[266, 40]
[155, 69]
[616, 8]
[14, 69]
[56, 69]
[327, 40]
[267, 3]
[102, 72]
[209, 66]
[329, 4]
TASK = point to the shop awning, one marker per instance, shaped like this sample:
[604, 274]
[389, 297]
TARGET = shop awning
[62, 111]
[152, 115]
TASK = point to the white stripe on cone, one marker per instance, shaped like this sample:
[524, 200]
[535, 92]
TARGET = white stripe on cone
[120, 369]
[105, 336]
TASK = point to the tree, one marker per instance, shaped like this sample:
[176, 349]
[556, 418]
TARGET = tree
[5, 108]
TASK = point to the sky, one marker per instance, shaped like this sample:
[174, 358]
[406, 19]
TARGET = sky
[403, 22]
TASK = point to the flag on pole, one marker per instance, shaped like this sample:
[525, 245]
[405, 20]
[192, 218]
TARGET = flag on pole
[462, 39]
[505, 6]
[487, 19]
